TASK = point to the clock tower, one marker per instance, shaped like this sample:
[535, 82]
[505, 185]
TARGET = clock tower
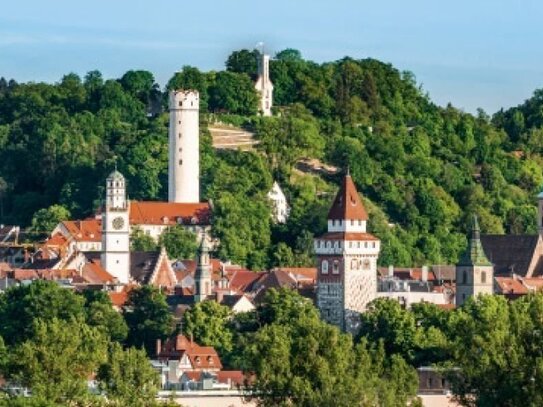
[115, 256]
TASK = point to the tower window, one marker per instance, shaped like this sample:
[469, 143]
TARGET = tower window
[180, 103]
[180, 149]
[179, 122]
[483, 277]
[464, 277]
[324, 267]
[180, 162]
[335, 268]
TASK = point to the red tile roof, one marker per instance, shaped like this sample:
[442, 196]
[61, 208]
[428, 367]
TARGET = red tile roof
[88, 230]
[201, 357]
[347, 205]
[511, 285]
[169, 213]
[242, 280]
[94, 273]
[233, 377]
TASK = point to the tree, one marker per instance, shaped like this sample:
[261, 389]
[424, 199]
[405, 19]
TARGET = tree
[57, 362]
[102, 315]
[140, 241]
[243, 61]
[179, 242]
[128, 377]
[148, 318]
[22, 305]
[233, 93]
[45, 220]
[289, 55]
[208, 323]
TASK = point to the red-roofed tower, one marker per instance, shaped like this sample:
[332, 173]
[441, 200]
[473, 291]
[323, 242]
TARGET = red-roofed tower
[346, 261]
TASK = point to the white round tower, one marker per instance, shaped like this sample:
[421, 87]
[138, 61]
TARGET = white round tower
[115, 257]
[184, 147]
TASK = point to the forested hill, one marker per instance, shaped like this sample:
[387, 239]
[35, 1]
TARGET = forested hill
[423, 169]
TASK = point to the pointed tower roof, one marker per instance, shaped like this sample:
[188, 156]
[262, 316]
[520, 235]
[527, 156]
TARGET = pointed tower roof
[474, 254]
[347, 205]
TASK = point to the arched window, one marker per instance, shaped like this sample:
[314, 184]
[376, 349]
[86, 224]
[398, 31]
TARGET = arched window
[324, 267]
[483, 277]
[464, 277]
[335, 268]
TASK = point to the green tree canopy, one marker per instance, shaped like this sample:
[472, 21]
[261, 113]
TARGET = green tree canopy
[179, 242]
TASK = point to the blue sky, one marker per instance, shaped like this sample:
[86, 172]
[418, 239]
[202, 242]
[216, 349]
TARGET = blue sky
[477, 53]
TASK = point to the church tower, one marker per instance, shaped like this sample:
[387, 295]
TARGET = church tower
[474, 272]
[184, 147]
[346, 261]
[202, 276]
[264, 85]
[115, 257]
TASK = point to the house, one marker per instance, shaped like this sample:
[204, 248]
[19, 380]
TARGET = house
[185, 365]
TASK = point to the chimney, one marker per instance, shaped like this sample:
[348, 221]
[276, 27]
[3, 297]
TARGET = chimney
[424, 276]
[158, 347]
[391, 271]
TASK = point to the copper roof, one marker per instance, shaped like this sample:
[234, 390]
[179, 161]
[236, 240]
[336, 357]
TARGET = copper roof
[347, 205]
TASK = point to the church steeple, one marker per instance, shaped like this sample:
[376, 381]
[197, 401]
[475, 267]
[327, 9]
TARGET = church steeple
[264, 85]
[202, 275]
[474, 254]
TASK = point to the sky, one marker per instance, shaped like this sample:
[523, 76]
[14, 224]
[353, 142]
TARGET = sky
[477, 53]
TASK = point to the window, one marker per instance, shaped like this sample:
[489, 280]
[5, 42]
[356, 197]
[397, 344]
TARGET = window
[180, 162]
[365, 245]
[179, 121]
[483, 277]
[180, 103]
[350, 245]
[335, 268]
[464, 277]
[358, 244]
[373, 245]
[324, 267]
[352, 222]
[430, 382]
[359, 223]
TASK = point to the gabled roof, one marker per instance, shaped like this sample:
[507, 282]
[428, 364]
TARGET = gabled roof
[510, 253]
[201, 357]
[94, 273]
[169, 213]
[87, 230]
[142, 265]
[511, 285]
[347, 205]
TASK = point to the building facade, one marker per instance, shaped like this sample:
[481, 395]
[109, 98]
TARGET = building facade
[264, 86]
[474, 272]
[184, 147]
[115, 256]
[346, 261]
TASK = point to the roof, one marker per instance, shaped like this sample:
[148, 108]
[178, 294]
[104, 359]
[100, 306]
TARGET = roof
[116, 175]
[201, 357]
[243, 280]
[347, 204]
[87, 230]
[94, 273]
[235, 377]
[510, 253]
[142, 265]
[169, 213]
[474, 255]
[231, 300]
[511, 285]
[353, 236]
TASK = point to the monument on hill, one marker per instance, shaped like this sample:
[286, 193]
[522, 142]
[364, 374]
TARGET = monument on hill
[184, 147]
[264, 85]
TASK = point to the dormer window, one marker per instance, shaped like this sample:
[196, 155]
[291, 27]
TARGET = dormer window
[210, 360]
[165, 220]
[198, 361]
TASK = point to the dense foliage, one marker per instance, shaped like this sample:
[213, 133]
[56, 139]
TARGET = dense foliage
[56, 340]
[422, 168]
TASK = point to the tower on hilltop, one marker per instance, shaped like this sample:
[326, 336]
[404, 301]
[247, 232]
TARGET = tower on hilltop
[264, 85]
[115, 257]
[346, 261]
[474, 272]
[184, 147]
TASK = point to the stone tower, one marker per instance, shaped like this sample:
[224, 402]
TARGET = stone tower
[474, 272]
[202, 276]
[264, 85]
[346, 261]
[115, 257]
[184, 147]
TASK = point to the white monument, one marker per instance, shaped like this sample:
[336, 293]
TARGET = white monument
[184, 147]
[279, 203]
[264, 85]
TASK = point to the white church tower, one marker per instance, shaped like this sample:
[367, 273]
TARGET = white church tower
[184, 147]
[115, 256]
[264, 85]
[346, 261]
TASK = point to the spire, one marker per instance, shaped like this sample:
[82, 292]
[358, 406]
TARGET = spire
[202, 275]
[347, 204]
[474, 254]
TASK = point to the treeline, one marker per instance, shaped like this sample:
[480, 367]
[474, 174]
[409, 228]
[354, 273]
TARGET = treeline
[488, 350]
[423, 169]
